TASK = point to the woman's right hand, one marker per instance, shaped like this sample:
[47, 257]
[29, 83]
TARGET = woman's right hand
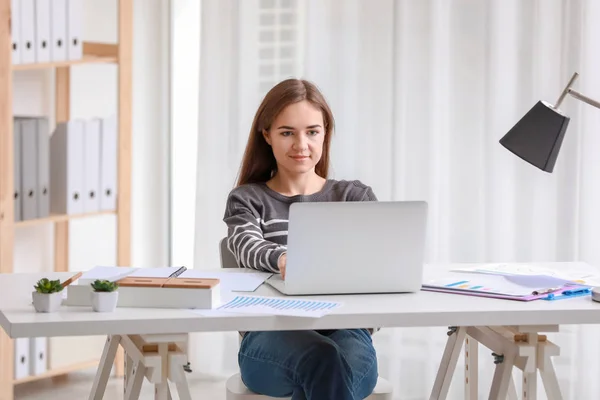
[281, 264]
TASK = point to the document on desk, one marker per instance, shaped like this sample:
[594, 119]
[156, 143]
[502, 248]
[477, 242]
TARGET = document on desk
[296, 307]
[516, 287]
[238, 281]
[105, 273]
[575, 272]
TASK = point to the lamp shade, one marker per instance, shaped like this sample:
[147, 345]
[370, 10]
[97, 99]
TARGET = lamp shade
[538, 136]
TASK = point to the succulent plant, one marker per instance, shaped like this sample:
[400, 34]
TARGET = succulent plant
[45, 285]
[104, 286]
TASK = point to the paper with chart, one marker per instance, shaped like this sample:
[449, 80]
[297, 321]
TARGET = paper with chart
[279, 306]
[576, 272]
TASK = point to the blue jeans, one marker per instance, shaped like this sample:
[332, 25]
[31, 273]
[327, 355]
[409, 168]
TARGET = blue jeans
[309, 365]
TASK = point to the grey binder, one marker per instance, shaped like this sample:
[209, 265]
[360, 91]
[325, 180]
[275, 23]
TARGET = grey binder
[43, 168]
[29, 168]
[17, 167]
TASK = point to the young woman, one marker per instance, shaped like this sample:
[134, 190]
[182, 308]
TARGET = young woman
[287, 160]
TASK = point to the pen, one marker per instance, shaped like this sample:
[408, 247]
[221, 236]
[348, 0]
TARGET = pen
[545, 291]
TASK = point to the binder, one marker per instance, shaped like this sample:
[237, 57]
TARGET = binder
[29, 169]
[27, 36]
[15, 33]
[43, 168]
[58, 30]
[91, 146]
[108, 164]
[38, 355]
[42, 31]
[17, 168]
[66, 168]
[21, 358]
[74, 29]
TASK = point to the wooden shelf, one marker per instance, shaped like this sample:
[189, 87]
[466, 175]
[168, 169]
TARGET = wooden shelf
[93, 53]
[86, 59]
[61, 218]
[58, 371]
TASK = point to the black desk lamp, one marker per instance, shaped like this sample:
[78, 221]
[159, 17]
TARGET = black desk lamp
[537, 137]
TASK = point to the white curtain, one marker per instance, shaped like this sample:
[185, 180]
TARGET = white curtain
[421, 91]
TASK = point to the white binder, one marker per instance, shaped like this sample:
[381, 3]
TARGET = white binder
[15, 21]
[42, 31]
[74, 29]
[29, 168]
[38, 357]
[91, 151]
[27, 36]
[108, 164]
[58, 30]
[66, 168]
[43, 168]
[17, 167]
[21, 358]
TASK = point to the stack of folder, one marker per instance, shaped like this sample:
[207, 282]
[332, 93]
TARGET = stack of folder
[46, 30]
[72, 171]
[504, 286]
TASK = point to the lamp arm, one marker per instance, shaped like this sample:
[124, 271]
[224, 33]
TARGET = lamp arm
[584, 98]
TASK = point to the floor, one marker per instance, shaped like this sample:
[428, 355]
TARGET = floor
[77, 386]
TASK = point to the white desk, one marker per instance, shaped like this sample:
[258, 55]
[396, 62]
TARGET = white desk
[18, 319]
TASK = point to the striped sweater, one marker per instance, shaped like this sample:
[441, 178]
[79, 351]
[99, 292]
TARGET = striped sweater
[257, 219]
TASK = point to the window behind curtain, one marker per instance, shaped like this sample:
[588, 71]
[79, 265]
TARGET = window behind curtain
[279, 41]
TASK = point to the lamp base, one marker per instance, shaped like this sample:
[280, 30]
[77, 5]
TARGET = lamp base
[596, 294]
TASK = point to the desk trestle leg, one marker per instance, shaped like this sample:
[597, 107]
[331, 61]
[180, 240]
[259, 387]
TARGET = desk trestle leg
[471, 368]
[456, 337]
[158, 358]
[522, 347]
[106, 363]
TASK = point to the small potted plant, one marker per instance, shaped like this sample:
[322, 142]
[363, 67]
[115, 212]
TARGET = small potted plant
[104, 295]
[48, 295]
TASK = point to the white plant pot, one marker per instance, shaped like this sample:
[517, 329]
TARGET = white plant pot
[105, 301]
[47, 302]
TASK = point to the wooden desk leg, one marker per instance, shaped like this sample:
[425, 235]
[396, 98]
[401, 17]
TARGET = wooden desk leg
[134, 384]
[177, 359]
[502, 376]
[160, 359]
[547, 372]
[530, 377]
[129, 368]
[161, 390]
[448, 363]
[471, 368]
[106, 362]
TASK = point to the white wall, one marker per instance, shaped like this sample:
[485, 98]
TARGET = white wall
[93, 91]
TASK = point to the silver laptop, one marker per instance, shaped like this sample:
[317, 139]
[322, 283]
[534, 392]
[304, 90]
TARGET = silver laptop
[354, 247]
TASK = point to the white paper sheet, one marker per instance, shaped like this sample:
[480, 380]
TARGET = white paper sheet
[238, 281]
[105, 273]
[577, 272]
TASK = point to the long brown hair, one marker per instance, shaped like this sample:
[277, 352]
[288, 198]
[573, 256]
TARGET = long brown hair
[259, 162]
